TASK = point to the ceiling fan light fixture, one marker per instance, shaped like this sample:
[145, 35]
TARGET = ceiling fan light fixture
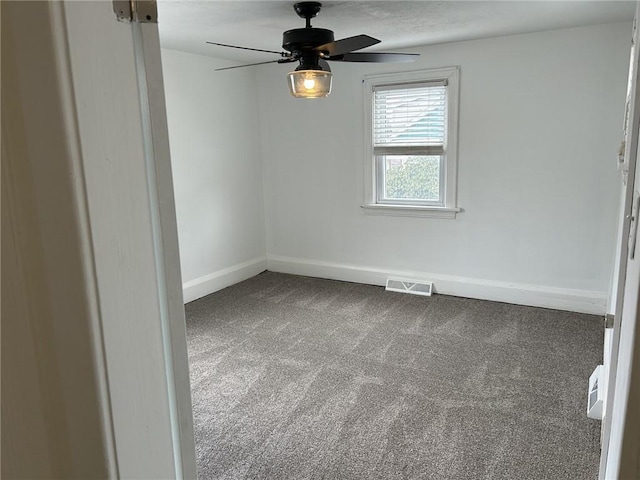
[309, 83]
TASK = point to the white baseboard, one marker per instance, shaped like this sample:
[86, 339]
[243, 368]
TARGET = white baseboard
[199, 287]
[583, 301]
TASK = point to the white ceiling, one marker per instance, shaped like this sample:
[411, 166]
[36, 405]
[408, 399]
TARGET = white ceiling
[187, 24]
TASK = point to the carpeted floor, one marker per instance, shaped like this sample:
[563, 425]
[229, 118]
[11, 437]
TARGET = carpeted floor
[296, 378]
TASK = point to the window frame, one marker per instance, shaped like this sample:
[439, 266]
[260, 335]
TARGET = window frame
[373, 171]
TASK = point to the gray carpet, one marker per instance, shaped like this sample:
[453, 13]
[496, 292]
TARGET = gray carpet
[297, 378]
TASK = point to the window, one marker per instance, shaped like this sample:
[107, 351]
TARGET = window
[410, 143]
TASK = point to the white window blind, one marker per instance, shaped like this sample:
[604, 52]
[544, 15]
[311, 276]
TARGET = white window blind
[412, 116]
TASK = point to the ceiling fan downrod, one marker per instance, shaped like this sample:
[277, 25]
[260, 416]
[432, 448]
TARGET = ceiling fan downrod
[307, 10]
[303, 40]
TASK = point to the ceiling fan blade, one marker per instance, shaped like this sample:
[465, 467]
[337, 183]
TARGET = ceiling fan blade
[280, 60]
[346, 45]
[375, 57]
[247, 48]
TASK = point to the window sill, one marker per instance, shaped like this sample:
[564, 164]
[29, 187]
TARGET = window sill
[410, 211]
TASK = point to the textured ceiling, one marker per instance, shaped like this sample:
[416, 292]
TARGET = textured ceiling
[186, 25]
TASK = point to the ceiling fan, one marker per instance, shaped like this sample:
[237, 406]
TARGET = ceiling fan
[313, 48]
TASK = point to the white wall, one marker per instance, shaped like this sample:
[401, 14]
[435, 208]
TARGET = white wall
[540, 123]
[217, 171]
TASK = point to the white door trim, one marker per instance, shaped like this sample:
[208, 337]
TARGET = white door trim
[119, 93]
[165, 228]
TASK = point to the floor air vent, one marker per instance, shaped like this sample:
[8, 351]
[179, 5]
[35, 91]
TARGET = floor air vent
[416, 287]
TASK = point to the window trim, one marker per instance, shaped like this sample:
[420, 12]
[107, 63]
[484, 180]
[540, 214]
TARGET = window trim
[372, 205]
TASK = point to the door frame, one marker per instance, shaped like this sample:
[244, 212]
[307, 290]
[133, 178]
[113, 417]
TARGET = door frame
[620, 457]
[621, 281]
[107, 334]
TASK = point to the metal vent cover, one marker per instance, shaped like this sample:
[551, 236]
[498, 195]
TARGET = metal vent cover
[404, 285]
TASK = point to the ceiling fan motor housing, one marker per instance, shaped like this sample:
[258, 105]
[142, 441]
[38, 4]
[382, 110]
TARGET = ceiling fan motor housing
[300, 39]
[313, 47]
